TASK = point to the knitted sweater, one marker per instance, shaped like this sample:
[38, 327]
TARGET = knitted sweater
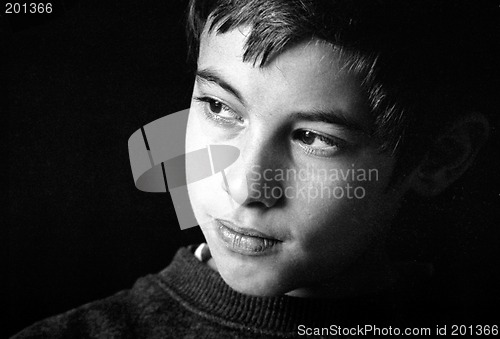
[190, 300]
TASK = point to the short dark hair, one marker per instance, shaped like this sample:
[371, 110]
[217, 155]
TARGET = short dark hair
[422, 63]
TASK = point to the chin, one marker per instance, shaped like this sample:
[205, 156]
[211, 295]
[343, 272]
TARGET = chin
[250, 276]
[260, 285]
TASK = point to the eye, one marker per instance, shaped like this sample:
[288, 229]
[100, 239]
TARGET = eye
[317, 144]
[218, 112]
[215, 106]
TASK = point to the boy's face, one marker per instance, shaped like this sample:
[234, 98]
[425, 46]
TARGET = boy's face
[308, 198]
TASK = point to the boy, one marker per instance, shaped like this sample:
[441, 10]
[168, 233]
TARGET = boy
[339, 109]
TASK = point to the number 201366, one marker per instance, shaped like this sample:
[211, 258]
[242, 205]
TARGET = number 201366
[28, 8]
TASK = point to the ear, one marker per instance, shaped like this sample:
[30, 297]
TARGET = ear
[451, 155]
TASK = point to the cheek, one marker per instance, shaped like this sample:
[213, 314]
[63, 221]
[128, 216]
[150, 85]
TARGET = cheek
[333, 210]
[195, 139]
[206, 196]
[198, 191]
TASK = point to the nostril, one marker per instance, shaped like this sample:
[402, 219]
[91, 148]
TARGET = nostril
[268, 193]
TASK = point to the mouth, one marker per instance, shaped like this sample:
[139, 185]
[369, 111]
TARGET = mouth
[245, 241]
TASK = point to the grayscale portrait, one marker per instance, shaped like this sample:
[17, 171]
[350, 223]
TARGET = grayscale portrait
[252, 169]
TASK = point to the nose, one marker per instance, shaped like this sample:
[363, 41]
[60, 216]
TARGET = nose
[252, 180]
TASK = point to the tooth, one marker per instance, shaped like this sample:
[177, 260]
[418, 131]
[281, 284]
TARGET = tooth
[235, 239]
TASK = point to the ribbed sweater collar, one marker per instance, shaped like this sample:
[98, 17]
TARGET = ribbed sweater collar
[202, 290]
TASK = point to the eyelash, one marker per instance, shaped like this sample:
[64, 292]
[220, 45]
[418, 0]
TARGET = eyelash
[215, 117]
[334, 144]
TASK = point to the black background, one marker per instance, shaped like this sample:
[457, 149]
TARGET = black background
[80, 81]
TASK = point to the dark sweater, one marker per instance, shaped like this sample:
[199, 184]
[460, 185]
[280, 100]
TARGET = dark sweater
[190, 300]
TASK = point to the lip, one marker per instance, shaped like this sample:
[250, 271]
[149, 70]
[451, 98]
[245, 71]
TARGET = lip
[245, 241]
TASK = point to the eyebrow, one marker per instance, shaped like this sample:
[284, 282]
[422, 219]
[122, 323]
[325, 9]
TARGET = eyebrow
[334, 117]
[213, 77]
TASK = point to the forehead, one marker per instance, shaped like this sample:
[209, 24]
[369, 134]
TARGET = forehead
[310, 75]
